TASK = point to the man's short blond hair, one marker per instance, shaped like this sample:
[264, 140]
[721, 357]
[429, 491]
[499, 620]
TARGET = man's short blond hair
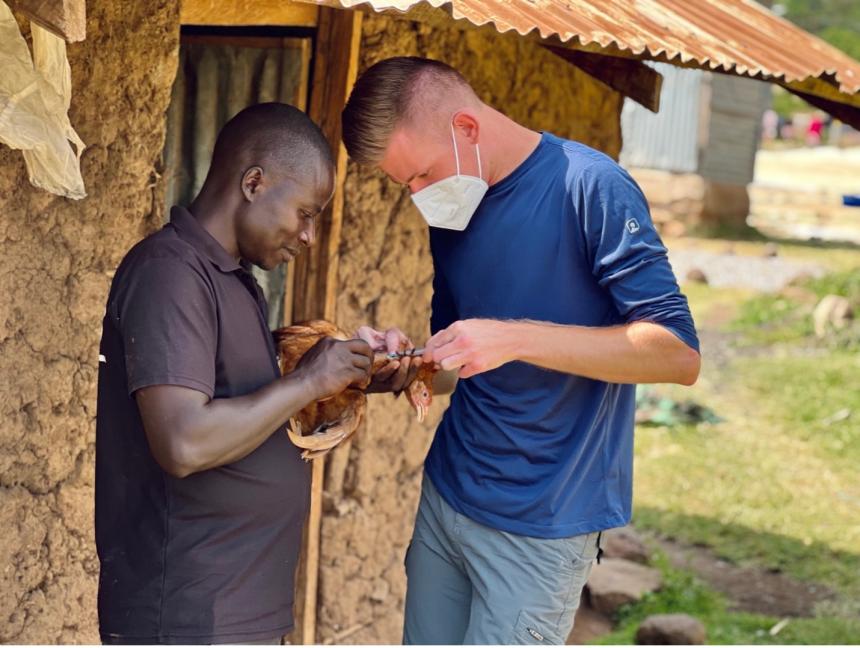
[396, 91]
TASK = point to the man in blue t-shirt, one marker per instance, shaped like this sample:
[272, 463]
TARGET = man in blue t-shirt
[553, 296]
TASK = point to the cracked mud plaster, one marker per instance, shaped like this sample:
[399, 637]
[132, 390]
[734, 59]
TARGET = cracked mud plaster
[55, 268]
[55, 272]
[385, 276]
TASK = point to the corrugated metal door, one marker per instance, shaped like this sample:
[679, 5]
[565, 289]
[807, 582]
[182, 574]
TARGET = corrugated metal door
[217, 77]
[734, 129]
[669, 139]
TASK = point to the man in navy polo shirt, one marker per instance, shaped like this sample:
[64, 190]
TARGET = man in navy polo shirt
[553, 297]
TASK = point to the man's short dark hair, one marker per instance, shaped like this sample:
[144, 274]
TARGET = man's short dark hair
[391, 92]
[274, 135]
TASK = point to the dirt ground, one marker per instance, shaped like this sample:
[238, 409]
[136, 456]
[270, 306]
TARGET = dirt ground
[748, 589]
[824, 169]
[798, 193]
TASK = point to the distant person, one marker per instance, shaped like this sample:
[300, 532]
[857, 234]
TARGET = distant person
[814, 130]
[787, 129]
[770, 125]
[833, 130]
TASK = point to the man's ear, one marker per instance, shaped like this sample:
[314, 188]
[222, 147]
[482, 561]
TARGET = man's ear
[252, 180]
[466, 122]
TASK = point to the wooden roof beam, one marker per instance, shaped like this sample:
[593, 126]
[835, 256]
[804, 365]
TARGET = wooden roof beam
[847, 114]
[248, 12]
[630, 77]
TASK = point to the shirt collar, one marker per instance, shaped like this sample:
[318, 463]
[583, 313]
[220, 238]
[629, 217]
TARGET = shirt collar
[191, 231]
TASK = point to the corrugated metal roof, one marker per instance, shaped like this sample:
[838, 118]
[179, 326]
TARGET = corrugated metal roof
[735, 36]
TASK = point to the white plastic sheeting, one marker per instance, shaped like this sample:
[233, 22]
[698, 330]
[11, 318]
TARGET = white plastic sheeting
[34, 103]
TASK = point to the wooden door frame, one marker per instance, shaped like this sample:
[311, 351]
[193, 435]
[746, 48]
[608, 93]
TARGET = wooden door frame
[335, 66]
[336, 51]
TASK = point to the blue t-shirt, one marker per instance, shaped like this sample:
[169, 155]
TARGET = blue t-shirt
[565, 238]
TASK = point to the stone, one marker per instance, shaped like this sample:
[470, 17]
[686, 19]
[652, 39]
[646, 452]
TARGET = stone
[801, 278]
[624, 543]
[380, 591]
[832, 311]
[673, 229]
[770, 250]
[671, 630]
[697, 276]
[589, 624]
[799, 294]
[616, 582]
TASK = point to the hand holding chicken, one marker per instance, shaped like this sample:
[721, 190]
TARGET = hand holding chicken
[338, 410]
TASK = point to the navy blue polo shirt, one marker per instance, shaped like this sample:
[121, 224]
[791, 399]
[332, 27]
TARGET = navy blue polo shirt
[210, 558]
[566, 238]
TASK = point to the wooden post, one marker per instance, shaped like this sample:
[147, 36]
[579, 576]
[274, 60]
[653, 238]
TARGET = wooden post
[315, 285]
[334, 72]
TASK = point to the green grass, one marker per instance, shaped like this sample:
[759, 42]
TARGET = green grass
[772, 319]
[683, 593]
[754, 490]
[708, 304]
[776, 484]
[821, 397]
[788, 316]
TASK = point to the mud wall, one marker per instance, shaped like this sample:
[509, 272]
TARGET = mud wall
[55, 267]
[385, 279]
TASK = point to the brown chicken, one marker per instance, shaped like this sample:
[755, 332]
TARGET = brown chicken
[325, 424]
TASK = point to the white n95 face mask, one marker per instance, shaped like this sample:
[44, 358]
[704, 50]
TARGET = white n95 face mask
[451, 202]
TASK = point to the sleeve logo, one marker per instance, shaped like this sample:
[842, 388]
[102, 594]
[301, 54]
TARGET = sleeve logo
[632, 225]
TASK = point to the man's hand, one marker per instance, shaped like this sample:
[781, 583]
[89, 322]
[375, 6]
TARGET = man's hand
[395, 375]
[330, 366]
[472, 346]
[638, 352]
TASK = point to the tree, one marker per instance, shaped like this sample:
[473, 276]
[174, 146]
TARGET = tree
[834, 21]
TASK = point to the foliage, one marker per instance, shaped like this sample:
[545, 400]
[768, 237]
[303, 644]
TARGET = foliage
[835, 21]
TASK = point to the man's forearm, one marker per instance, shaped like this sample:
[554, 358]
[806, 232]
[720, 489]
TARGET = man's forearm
[205, 435]
[640, 352]
[233, 428]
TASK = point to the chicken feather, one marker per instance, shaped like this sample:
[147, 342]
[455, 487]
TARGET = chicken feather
[325, 424]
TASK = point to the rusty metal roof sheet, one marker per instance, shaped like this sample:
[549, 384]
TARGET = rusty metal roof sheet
[734, 36]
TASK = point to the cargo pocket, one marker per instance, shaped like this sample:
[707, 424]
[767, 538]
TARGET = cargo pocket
[528, 630]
